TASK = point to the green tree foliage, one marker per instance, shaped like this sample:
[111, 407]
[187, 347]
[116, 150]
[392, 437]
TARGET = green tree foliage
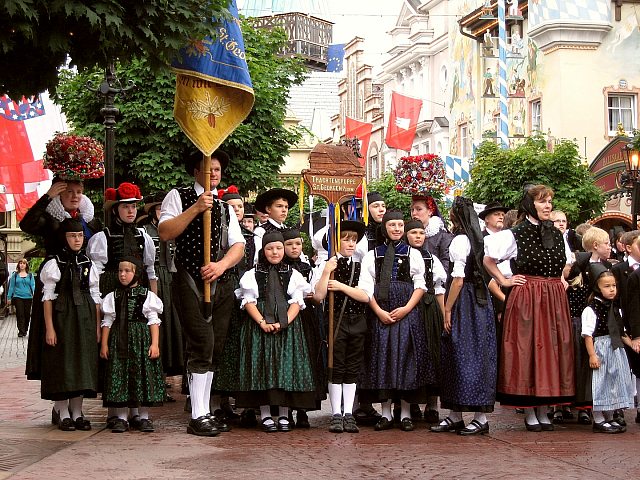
[500, 174]
[149, 143]
[37, 36]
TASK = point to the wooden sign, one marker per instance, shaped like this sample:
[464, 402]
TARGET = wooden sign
[335, 172]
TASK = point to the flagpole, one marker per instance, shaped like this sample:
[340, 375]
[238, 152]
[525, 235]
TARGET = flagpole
[206, 226]
[503, 132]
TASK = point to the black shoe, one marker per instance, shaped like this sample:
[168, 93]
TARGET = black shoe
[120, 426]
[618, 417]
[302, 419]
[431, 416]
[219, 420]
[605, 427]
[479, 428]
[349, 423]
[269, 427]
[384, 424]
[111, 421]
[169, 399]
[135, 422]
[248, 418]
[519, 410]
[22, 334]
[623, 428]
[284, 425]
[83, 424]
[202, 427]
[229, 412]
[55, 416]
[547, 427]
[567, 414]
[336, 425]
[416, 413]
[532, 427]
[67, 425]
[558, 417]
[146, 426]
[584, 418]
[406, 425]
[449, 426]
[366, 414]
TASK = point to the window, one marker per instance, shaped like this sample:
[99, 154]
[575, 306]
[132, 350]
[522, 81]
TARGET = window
[621, 109]
[464, 140]
[374, 165]
[536, 116]
[4, 220]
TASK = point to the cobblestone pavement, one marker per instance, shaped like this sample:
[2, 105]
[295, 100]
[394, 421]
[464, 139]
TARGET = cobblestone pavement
[31, 448]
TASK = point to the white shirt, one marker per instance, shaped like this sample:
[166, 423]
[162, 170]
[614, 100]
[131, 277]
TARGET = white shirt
[248, 292]
[368, 271]
[50, 275]
[98, 252]
[151, 309]
[172, 207]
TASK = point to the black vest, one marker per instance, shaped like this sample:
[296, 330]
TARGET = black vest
[401, 265]
[73, 265]
[428, 270]
[533, 258]
[190, 243]
[261, 279]
[135, 302]
[343, 274]
[116, 248]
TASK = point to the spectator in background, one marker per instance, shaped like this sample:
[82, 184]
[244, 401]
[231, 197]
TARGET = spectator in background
[509, 219]
[20, 292]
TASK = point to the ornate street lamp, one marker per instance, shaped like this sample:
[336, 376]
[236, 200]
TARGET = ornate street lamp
[631, 177]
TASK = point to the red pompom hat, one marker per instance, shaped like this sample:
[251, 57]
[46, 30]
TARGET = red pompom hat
[125, 193]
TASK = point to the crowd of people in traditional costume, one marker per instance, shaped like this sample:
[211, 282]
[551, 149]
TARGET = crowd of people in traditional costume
[451, 313]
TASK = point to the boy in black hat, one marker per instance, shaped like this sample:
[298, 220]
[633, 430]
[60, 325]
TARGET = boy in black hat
[181, 219]
[351, 324]
[275, 203]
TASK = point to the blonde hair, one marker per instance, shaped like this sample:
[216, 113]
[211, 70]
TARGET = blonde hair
[592, 236]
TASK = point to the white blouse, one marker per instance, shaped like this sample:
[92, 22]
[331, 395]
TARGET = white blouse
[51, 275]
[368, 271]
[459, 250]
[97, 251]
[151, 309]
[439, 276]
[248, 292]
[502, 246]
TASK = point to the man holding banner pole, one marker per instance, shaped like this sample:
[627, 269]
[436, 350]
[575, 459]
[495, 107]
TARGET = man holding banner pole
[213, 96]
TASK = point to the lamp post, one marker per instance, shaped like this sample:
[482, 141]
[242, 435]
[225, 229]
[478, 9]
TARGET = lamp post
[632, 176]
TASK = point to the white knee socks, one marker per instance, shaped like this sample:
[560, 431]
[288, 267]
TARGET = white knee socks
[198, 391]
[405, 409]
[349, 394]
[144, 413]
[62, 407]
[75, 407]
[335, 396]
[386, 410]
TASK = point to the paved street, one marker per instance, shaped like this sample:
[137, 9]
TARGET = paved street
[30, 447]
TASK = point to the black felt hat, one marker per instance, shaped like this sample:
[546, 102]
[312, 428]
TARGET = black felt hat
[192, 159]
[153, 200]
[267, 198]
[353, 226]
[492, 207]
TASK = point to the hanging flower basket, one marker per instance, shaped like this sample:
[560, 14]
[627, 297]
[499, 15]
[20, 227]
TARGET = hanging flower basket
[72, 157]
[420, 175]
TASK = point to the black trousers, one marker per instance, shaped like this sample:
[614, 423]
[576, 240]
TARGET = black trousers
[204, 340]
[348, 349]
[23, 313]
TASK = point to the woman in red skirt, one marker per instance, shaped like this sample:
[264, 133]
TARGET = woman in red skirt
[536, 360]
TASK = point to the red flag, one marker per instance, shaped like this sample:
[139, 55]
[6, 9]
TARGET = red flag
[403, 121]
[361, 131]
[24, 202]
